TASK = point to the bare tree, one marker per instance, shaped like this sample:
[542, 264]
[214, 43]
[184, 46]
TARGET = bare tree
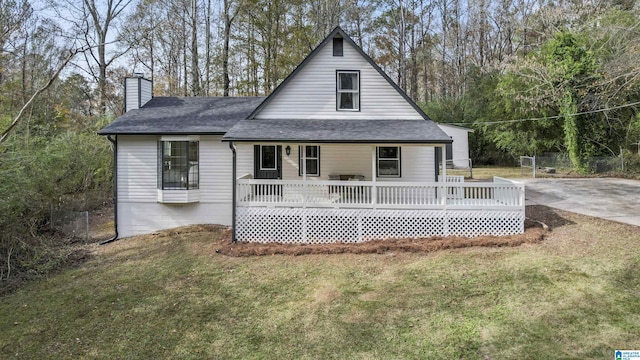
[231, 9]
[93, 21]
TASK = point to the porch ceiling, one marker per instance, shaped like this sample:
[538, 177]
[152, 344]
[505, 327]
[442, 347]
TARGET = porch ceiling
[337, 131]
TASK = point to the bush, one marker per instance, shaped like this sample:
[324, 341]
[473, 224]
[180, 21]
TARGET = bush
[37, 173]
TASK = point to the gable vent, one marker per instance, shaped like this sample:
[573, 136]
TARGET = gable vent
[337, 46]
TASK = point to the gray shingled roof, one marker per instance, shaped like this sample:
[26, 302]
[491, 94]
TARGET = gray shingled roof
[343, 131]
[184, 115]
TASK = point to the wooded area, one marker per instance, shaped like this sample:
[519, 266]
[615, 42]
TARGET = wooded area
[529, 76]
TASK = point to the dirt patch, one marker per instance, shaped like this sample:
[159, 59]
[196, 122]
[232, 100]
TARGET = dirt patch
[540, 220]
[101, 223]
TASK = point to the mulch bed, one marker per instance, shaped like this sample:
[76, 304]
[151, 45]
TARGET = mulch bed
[540, 220]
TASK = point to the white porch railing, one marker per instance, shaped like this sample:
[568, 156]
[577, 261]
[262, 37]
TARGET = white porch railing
[320, 212]
[501, 194]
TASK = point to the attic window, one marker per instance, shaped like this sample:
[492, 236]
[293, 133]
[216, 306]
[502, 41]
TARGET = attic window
[337, 46]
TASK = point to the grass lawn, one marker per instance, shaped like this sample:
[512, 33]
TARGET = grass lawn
[488, 172]
[170, 296]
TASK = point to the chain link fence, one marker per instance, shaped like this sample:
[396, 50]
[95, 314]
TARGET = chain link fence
[625, 163]
[69, 216]
[74, 224]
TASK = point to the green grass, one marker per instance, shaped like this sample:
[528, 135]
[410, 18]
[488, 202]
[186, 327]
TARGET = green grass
[488, 172]
[576, 295]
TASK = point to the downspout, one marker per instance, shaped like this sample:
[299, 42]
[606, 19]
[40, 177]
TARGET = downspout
[115, 190]
[232, 146]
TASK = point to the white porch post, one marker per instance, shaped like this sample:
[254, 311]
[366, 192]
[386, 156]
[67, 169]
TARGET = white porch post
[444, 163]
[304, 174]
[445, 190]
[374, 189]
[443, 175]
[305, 224]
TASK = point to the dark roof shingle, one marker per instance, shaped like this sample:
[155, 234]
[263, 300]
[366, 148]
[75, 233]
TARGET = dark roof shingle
[339, 131]
[184, 115]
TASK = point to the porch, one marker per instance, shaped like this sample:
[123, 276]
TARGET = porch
[325, 211]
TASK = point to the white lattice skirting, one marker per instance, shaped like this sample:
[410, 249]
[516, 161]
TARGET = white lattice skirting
[322, 226]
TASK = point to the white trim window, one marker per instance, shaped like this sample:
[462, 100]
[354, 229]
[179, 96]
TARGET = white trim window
[268, 157]
[388, 161]
[348, 90]
[179, 165]
[313, 159]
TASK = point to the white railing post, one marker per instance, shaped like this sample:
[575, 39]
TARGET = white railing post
[374, 188]
[304, 175]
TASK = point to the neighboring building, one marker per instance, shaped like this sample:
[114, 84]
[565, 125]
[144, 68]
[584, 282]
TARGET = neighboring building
[457, 153]
[336, 153]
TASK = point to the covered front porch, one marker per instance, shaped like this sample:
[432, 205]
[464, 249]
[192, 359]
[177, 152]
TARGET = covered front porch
[325, 181]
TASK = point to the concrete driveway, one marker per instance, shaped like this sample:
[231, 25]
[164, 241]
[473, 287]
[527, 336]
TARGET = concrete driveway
[608, 198]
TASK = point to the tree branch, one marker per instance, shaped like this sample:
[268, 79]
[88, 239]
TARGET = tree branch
[52, 79]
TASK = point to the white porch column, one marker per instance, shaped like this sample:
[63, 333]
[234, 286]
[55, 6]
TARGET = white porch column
[303, 156]
[444, 163]
[374, 189]
[443, 176]
[445, 190]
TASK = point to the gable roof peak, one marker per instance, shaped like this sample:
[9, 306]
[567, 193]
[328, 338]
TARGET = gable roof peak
[337, 32]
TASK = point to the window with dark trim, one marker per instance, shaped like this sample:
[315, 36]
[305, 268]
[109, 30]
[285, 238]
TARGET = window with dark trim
[388, 161]
[348, 90]
[178, 168]
[313, 160]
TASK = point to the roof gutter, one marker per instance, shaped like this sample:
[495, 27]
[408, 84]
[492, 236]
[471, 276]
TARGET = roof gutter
[114, 141]
[232, 146]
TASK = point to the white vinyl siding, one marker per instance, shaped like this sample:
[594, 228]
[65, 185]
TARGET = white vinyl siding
[311, 94]
[244, 155]
[460, 145]
[145, 218]
[138, 209]
[137, 98]
[137, 168]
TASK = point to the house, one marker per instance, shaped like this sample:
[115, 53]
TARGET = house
[336, 153]
[457, 153]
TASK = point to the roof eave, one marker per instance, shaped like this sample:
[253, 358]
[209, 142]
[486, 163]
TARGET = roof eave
[164, 133]
[338, 141]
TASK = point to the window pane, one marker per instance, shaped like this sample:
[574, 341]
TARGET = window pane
[312, 167]
[388, 167]
[268, 160]
[348, 81]
[193, 151]
[347, 101]
[194, 168]
[387, 152]
[312, 151]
